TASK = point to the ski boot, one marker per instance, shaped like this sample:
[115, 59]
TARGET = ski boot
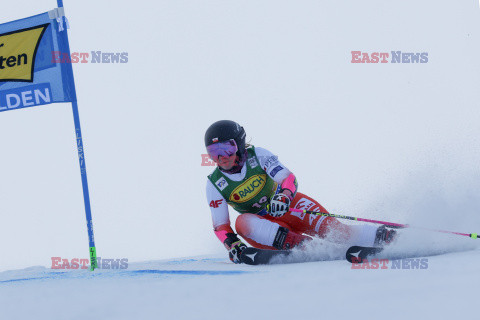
[287, 239]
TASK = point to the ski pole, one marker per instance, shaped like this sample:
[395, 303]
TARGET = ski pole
[387, 224]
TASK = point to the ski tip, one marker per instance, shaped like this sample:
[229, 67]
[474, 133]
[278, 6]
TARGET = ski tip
[356, 254]
[248, 256]
[353, 254]
[255, 256]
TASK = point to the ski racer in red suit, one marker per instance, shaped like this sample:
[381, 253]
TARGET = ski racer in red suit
[249, 178]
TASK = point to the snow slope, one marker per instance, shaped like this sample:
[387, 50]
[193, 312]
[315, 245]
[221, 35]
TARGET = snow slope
[210, 287]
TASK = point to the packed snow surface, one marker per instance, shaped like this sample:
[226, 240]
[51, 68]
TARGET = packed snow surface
[211, 287]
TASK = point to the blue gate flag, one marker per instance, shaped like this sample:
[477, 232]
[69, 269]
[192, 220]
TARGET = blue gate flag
[29, 74]
[32, 75]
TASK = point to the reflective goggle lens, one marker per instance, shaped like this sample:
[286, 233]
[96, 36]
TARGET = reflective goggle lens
[224, 149]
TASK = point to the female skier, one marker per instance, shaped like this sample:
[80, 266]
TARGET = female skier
[249, 178]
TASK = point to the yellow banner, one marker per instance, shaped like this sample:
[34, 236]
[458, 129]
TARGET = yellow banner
[17, 53]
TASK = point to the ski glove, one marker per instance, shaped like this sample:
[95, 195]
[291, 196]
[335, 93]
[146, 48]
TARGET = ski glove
[235, 247]
[279, 205]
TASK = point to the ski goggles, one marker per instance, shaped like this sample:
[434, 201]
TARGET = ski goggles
[224, 149]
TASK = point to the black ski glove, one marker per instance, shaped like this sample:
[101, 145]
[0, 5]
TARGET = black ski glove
[234, 246]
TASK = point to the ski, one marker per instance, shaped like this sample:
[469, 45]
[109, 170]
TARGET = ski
[356, 254]
[255, 256]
